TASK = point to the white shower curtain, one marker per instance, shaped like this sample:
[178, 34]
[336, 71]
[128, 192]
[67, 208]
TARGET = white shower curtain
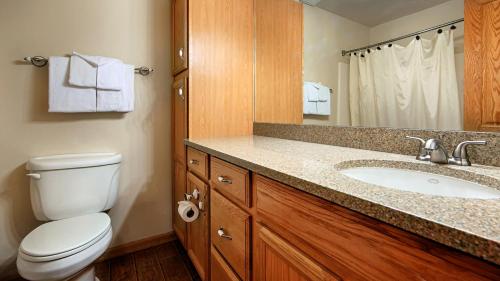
[406, 87]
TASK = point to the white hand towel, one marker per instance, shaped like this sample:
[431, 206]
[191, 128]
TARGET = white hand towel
[324, 100]
[118, 101]
[310, 107]
[96, 72]
[311, 91]
[64, 97]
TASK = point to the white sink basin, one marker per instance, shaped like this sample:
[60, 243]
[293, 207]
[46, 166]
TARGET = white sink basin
[421, 182]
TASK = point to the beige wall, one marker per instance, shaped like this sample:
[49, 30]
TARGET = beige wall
[325, 36]
[136, 31]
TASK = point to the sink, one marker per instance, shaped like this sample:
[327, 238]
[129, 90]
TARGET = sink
[421, 182]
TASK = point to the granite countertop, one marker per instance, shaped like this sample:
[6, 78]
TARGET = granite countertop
[470, 225]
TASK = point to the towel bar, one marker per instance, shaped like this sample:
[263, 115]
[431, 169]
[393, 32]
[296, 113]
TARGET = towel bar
[40, 61]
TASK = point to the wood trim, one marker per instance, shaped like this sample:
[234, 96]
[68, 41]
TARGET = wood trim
[137, 245]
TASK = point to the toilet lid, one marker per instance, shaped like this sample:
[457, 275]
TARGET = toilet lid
[54, 239]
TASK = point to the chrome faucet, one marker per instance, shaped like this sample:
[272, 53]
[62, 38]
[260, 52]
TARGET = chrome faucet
[433, 150]
[437, 151]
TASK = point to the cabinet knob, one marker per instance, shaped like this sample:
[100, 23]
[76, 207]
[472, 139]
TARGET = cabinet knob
[181, 53]
[223, 234]
[223, 179]
[180, 92]
[194, 162]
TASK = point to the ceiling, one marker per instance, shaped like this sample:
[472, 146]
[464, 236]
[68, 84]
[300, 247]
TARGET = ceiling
[374, 12]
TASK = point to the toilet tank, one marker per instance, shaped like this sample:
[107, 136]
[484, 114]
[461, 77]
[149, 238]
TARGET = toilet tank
[64, 186]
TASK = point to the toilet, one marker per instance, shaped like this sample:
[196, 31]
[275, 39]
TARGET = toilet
[70, 192]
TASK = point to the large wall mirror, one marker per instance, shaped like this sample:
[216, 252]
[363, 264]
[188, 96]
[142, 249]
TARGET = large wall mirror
[385, 63]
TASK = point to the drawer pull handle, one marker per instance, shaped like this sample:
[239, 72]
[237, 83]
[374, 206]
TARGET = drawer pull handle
[222, 234]
[194, 162]
[223, 179]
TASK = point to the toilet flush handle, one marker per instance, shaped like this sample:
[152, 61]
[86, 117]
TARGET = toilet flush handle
[33, 175]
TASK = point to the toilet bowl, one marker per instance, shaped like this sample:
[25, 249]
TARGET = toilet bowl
[71, 192]
[59, 250]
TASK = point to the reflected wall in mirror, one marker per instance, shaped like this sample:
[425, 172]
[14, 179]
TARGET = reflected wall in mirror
[384, 63]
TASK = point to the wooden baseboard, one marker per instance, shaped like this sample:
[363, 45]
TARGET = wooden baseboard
[137, 245]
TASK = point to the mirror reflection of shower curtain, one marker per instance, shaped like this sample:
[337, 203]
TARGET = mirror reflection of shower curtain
[406, 87]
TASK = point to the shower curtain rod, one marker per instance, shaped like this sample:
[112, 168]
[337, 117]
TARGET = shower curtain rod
[344, 52]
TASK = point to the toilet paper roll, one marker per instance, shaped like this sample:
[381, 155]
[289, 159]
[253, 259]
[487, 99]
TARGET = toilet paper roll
[188, 211]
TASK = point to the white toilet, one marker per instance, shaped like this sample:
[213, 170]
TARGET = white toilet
[71, 191]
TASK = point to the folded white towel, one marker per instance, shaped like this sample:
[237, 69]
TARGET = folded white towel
[118, 101]
[310, 107]
[96, 72]
[311, 91]
[323, 93]
[62, 96]
[324, 100]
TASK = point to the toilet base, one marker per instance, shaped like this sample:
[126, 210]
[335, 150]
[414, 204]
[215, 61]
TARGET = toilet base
[88, 274]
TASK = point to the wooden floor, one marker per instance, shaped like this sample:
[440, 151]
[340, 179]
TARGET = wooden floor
[167, 262]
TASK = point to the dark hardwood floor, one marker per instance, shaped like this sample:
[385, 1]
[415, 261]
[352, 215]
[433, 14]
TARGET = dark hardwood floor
[167, 262]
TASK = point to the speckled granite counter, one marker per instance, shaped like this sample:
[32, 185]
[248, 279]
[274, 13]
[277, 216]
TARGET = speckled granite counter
[470, 225]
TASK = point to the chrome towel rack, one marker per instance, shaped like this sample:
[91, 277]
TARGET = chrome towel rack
[40, 61]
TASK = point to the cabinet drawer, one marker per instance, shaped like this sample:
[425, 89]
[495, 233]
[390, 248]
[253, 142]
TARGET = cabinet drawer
[197, 162]
[230, 180]
[220, 270]
[230, 232]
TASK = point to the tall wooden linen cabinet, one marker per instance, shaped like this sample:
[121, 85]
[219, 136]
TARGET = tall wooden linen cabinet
[212, 94]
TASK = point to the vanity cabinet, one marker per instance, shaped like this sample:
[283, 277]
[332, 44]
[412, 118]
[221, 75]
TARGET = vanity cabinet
[263, 230]
[309, 237]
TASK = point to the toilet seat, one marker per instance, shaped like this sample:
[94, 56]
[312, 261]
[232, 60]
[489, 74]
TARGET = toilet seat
[69, 257]
[62, 238]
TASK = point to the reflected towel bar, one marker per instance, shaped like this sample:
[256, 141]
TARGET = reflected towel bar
[40, 61]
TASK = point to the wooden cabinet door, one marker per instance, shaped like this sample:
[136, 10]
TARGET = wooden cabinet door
[179, 133]
[179, 118]
[198, 230]
[278, 260]
[179, 189]
[278, 65]
[179, 32]
[482, 66]
[220, 270]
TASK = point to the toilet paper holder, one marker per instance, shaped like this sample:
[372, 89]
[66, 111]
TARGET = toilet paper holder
[195, 195]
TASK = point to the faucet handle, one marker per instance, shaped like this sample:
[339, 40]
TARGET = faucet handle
[460, 155]
[422, 153]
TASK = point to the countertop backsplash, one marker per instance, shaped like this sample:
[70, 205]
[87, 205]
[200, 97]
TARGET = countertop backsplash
[385, 139]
